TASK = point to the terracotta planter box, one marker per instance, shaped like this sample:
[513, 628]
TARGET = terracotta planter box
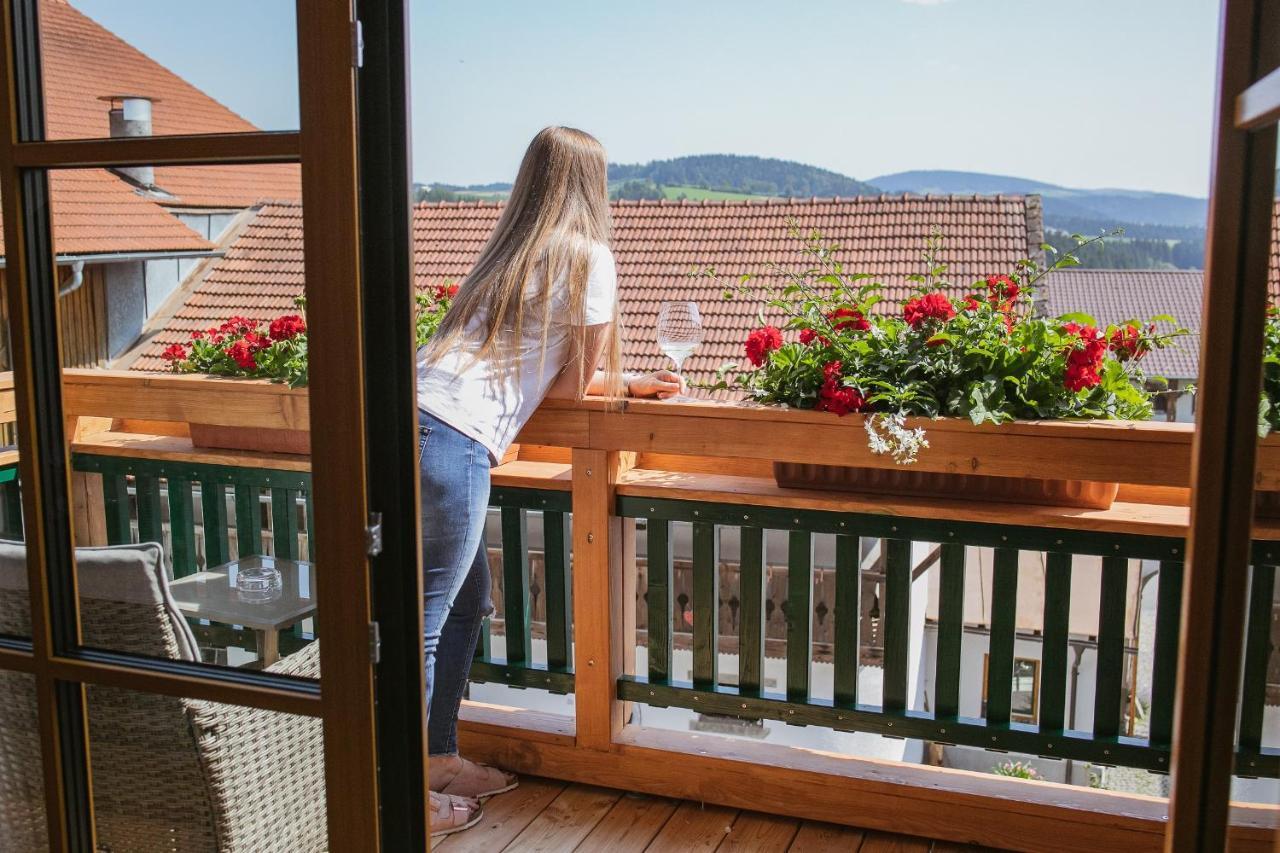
[213, 437]
[910, 482]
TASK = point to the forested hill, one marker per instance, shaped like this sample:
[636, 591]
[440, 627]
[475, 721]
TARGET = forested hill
[741, 174]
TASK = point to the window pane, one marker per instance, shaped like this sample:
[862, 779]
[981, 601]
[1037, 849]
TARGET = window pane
[213, 494]
[160, 68]
[15, 615]
[180, 774]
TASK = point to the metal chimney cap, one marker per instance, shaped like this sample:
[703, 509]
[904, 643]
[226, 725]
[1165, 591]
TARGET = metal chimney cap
[132, 107]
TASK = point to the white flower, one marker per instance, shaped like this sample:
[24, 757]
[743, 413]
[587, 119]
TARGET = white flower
[903, 444]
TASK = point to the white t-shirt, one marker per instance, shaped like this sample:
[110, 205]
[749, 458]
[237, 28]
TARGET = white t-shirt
[491, 405]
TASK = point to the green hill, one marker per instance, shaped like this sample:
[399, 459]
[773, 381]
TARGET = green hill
[739, 175]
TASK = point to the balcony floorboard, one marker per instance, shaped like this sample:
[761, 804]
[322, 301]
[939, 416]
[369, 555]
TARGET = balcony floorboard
[553, 816]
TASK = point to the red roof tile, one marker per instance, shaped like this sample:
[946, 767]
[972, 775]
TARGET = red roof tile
[84, 63]
[95, 213]
[1114, 296]
[259, 277]
[655, 245]
[1273, 279]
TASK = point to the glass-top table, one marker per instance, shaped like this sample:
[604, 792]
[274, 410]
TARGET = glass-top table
[213, 594]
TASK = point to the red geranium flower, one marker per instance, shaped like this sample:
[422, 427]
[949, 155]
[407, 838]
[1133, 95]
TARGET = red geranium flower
[1002, 290]
[174, 352]
[848, 318]
[445, 291]
[197, 335]
[257, 341]
[761, 342]
[1127, 343]
[838, 399]
[241, 352]
[831, 370]
[931, 306]
[236, 326]
[287, 327]
[972, 303]
[1084, 358]
[808, 336]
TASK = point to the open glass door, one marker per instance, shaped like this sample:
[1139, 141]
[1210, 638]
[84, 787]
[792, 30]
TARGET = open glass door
[1224, 571]
[172, 553]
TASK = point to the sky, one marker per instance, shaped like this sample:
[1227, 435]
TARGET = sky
[1093, 93]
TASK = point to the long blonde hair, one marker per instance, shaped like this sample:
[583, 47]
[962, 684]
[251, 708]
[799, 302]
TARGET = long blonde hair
[557, 211]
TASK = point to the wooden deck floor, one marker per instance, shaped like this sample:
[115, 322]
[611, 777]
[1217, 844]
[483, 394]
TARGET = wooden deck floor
[557, 817]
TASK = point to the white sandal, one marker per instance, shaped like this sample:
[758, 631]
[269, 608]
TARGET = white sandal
[474, 780]
[449, 814]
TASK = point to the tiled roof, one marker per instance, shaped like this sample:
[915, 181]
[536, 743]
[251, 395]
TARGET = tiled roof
[1114, 296]
[95, 212]
[259, 277]
[655, 245]
[85, 63]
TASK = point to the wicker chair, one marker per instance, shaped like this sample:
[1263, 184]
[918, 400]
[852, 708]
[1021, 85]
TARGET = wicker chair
[168, 774]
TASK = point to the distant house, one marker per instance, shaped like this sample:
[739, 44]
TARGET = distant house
[655, 244]
[127, 238]
[1115, 296]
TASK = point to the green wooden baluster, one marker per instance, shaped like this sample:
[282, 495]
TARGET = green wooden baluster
[1057, 619]
[213, 505]
[248, 520]
[897, 623]
[950, 631]
[751, 577]
[115, 506]
[182, 528]
[284, 522]
[515, 583]
[147, 487]
[1004, 613]
[559, 587]
[1164, 669]
[799, 609]
[658, 599]
[1257, 654]
[706, 604]
[847, 616]
[12, 497]
[1106, 701]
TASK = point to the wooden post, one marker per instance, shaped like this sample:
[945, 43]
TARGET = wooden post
[604, 646]
[1224, 448]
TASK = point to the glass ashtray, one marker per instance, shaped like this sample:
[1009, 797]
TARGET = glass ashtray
[258, 581]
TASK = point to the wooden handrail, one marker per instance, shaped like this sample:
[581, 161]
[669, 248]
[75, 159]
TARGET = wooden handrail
[712, 455]
[1140, 453]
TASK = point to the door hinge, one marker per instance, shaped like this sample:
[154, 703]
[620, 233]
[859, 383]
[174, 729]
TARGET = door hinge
[375, 643]
[373, 535]
[357, 44]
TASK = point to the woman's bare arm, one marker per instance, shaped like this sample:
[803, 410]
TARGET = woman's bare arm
[661, 384]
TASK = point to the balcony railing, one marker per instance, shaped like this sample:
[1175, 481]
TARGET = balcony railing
[616, 490]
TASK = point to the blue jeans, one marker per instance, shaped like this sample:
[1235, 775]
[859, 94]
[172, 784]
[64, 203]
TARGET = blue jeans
[456, 583]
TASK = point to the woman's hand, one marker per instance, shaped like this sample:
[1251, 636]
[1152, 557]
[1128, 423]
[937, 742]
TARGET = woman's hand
[661, 384]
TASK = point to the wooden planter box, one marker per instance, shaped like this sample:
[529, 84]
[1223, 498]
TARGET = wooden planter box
[214, 437]
[905, 481]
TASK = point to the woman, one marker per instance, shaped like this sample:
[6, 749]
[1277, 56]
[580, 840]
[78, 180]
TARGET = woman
[534, 319]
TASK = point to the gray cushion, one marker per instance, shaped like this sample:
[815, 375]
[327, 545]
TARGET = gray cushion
[114, 573]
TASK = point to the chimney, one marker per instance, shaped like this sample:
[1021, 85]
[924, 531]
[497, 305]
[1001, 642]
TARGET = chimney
[130, 115]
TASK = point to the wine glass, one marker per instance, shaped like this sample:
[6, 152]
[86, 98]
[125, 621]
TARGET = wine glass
[679, 331]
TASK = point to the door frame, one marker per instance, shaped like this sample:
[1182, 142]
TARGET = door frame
[1224, 448]
[327, 146]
